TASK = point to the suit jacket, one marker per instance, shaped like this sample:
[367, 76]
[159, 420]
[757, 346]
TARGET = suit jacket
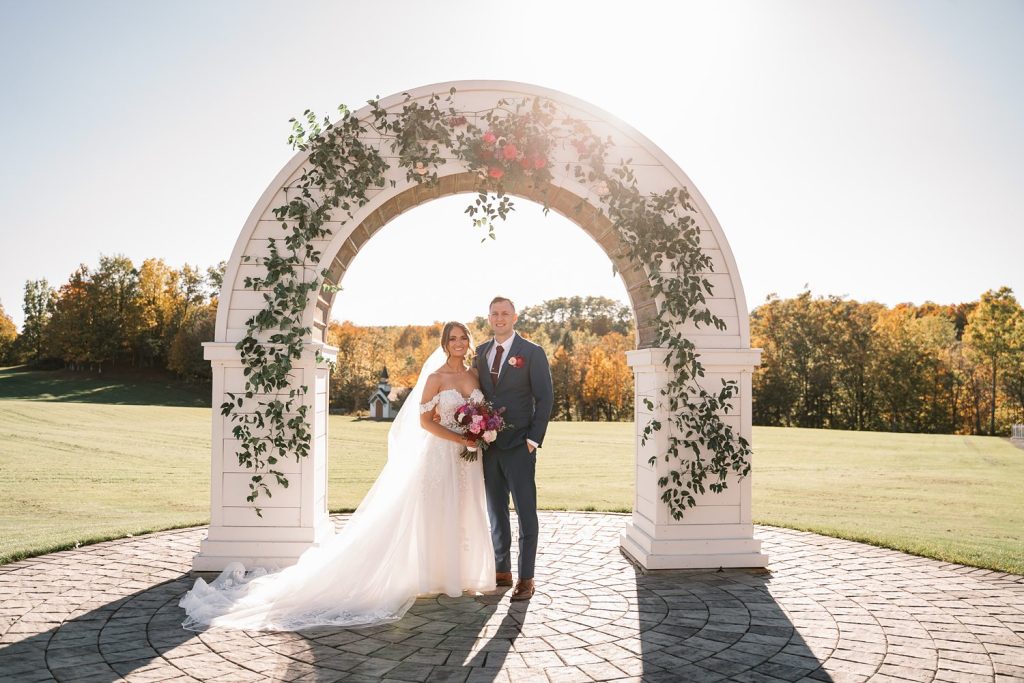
[525, 391]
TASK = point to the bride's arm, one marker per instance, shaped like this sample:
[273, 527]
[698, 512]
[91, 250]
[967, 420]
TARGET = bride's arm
[426, 416]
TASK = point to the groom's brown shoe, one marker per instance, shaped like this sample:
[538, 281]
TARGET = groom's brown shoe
[503, 579]
[523, 591]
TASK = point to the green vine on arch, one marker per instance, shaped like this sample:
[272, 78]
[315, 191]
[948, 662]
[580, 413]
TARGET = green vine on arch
[513, 142]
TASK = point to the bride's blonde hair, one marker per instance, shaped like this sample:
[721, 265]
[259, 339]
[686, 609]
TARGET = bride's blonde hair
[446, 333]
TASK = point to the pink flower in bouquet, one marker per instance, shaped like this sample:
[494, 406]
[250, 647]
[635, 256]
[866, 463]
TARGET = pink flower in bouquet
[481, 422]
[540, 162]
[489, 138]
[509, 151]
[495, 172]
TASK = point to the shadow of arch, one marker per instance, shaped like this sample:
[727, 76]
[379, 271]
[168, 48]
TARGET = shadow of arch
[124, 636]
[573, 207]
[701, 625]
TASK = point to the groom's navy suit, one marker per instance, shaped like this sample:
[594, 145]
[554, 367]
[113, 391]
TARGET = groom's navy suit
[525, 391]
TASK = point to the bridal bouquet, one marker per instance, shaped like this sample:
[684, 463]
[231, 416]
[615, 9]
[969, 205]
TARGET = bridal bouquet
[481, 421]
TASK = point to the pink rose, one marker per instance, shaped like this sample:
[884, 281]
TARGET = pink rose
[509, 151]
[540, 162]
[495, 172]
[489, 138]
[490, 436]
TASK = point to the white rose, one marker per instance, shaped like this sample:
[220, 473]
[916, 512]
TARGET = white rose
[490, 435]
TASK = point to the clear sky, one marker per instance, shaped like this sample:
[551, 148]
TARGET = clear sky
[872, 149]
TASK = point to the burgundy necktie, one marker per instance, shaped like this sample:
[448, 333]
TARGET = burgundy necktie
[496, 365]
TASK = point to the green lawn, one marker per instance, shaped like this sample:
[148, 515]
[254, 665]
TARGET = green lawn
[84, 460]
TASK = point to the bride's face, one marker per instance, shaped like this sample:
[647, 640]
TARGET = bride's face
[458, 343]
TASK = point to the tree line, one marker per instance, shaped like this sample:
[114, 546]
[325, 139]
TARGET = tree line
[828, 361]
[834, 363]
[154, 316]
[115, 315]
[585, 339]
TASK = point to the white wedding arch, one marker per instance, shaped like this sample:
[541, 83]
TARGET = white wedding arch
[717, 532]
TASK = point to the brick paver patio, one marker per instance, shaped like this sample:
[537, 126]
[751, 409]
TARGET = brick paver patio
[827, 610]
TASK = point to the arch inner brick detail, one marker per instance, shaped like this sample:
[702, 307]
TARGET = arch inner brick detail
[571, 206]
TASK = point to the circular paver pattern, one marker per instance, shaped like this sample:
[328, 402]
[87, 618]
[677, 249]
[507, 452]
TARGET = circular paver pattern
[828, 610]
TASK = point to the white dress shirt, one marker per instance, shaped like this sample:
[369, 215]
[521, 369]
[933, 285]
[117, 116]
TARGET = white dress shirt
[505, 346]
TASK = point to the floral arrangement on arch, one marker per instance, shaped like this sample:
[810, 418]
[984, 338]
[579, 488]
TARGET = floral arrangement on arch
[513, 143]
[511, 148]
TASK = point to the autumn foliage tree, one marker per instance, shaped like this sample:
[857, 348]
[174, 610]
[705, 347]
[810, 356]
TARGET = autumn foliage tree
[117, 315]
[581, 335]
[995, 335]
[829, 362]
[8, 337]
[37, 307]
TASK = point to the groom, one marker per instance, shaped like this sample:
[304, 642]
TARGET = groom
[514, 375]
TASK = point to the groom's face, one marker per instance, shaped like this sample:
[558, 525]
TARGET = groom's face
[502, 318]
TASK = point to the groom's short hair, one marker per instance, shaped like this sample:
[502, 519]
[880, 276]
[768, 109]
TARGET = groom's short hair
[499, 299]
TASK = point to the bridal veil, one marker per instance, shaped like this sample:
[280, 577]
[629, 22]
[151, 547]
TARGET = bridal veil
[366, 574]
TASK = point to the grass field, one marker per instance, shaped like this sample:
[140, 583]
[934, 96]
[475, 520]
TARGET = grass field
[85, 459]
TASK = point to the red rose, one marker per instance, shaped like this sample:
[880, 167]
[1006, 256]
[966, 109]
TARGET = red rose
[489, 138]
[509, 151]
[495, 172]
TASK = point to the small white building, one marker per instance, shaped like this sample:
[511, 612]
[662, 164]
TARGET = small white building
[381, 398]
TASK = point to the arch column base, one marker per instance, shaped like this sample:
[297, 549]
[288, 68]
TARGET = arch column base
[651, 552]
[718, 531]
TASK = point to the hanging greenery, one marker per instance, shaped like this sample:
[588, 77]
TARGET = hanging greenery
[513, 142]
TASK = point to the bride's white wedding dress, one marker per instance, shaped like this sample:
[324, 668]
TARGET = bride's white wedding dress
[421, 529]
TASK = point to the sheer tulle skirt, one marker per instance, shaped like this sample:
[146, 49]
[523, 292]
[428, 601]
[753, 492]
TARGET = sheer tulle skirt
[422, 529]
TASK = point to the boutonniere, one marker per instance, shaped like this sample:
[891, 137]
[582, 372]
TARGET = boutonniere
[516, 361]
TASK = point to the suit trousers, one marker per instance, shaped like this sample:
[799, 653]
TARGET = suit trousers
[512, 471]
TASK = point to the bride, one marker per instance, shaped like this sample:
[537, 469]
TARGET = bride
[421, 529]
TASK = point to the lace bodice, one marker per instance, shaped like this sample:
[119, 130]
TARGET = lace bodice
[447, 402]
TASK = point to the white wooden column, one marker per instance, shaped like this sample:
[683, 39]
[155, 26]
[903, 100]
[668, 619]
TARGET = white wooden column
[294, 518]
[718, 532]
